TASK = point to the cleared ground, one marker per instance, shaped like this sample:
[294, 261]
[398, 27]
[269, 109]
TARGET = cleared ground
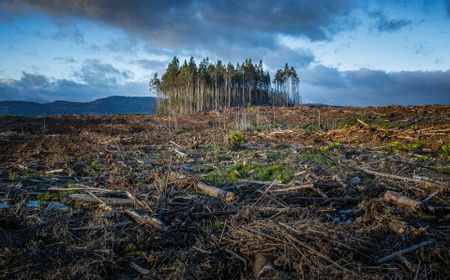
[303, 192]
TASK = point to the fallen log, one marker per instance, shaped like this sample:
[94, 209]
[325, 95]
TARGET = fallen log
[215, 192]
[154, 222]
[401, 200]
[206, 189]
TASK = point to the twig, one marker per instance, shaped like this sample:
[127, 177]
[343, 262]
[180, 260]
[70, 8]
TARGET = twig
[431, 196]
[404, 251]
[175, 144]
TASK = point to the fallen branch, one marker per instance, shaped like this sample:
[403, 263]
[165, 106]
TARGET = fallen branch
[394, 177]
[264, 183]
[404, 251]
[154, 222]
[175, 144]
[294, 188]
[106, 200]
[139, 269]
[363, 123]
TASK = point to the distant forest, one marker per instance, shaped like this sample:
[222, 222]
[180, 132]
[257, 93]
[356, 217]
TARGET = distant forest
[208, 86]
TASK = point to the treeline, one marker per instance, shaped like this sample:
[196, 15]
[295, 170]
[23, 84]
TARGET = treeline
[207, 86]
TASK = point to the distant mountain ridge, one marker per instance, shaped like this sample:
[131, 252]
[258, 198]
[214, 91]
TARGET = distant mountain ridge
[104, 106]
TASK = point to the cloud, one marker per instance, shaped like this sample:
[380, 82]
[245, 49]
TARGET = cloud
[365, 87]
[319, 84]
[298, 58]
[39, 88]
[64, 34]
[383, 24]
[96, 73]
[448, 7]
[207, 24]
[65, 59]
[96, 80]
[149, 63]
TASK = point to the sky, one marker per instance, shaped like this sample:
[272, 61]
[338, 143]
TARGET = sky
[358, 53]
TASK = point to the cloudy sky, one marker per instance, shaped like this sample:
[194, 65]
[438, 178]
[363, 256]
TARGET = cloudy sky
[347, 52]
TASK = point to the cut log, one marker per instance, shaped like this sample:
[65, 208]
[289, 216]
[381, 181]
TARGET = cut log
[215, 192]
[401, 200]
[154, 222]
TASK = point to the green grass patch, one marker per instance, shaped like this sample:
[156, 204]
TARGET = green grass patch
[48, 197]
[316, 157]
[444, 151]
[95, 165]
[331, 147]
[236, 138]
[443, 169]
[13, 176]
[397, 147]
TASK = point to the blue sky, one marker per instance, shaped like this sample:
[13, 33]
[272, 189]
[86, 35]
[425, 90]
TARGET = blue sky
[358, 53]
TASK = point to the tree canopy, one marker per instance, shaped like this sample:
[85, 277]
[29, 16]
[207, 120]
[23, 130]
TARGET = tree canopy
[207, 86]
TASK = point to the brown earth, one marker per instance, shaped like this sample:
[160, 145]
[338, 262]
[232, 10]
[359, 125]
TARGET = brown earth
[309, 192]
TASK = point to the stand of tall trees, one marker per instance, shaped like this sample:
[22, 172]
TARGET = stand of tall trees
[207, 86]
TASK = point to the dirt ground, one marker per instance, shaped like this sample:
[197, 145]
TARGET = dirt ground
[257, 193]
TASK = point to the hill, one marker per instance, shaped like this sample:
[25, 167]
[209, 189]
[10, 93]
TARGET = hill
[105, 106]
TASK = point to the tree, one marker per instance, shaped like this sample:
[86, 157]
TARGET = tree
[208, 86]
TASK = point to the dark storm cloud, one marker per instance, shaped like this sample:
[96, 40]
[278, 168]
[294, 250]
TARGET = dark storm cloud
[64, 34]
[205, 23]
[366, 87]
[383, 24]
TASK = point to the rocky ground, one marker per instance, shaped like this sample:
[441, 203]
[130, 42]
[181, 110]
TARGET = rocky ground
[257, 193]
